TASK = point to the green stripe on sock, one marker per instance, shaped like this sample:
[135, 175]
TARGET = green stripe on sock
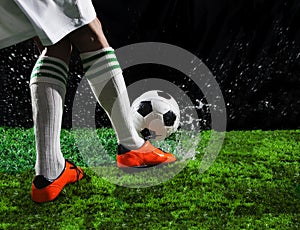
[97, 74]
[97, 56]
[49, 75]
[99, 64]
[45, 61]
[50, 68]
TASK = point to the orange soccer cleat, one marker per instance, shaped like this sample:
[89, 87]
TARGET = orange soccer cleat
[146, 156]
[44, 190]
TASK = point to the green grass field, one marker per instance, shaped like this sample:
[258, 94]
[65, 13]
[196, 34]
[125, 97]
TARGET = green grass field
[253, 184]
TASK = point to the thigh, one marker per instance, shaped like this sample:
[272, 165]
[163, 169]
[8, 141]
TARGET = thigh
[89, 38]
[61, 50]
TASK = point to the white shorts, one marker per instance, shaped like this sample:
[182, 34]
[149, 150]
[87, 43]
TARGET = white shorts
[50, 20]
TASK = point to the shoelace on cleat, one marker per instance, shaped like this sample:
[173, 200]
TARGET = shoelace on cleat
[76, 168]
[162, 150]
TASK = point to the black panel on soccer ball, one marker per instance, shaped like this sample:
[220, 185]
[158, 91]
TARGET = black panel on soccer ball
[169, 118]
[145, 108]
[148, 134]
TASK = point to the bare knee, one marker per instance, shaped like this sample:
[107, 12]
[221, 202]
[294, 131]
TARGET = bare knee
[89, 37]
[61, 50]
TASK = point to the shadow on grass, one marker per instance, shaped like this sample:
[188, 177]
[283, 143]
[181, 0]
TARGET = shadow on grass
[189, 199]
[18, 211]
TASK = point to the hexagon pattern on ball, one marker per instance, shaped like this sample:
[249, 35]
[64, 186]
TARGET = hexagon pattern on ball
[156, 115]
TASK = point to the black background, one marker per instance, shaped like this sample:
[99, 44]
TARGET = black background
[251, 47]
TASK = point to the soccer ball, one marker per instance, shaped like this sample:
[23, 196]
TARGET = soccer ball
[156, 115]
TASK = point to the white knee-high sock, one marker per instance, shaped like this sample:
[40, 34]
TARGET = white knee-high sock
[107, 83]
[48, 88]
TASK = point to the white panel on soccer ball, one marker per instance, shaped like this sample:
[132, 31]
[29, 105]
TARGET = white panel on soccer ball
[138, 121]
[160, 106]
[158, 126]
[151, 117]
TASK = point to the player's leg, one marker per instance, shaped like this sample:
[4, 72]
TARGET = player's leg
[48, 88]
[90, 37]
[106, 80]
